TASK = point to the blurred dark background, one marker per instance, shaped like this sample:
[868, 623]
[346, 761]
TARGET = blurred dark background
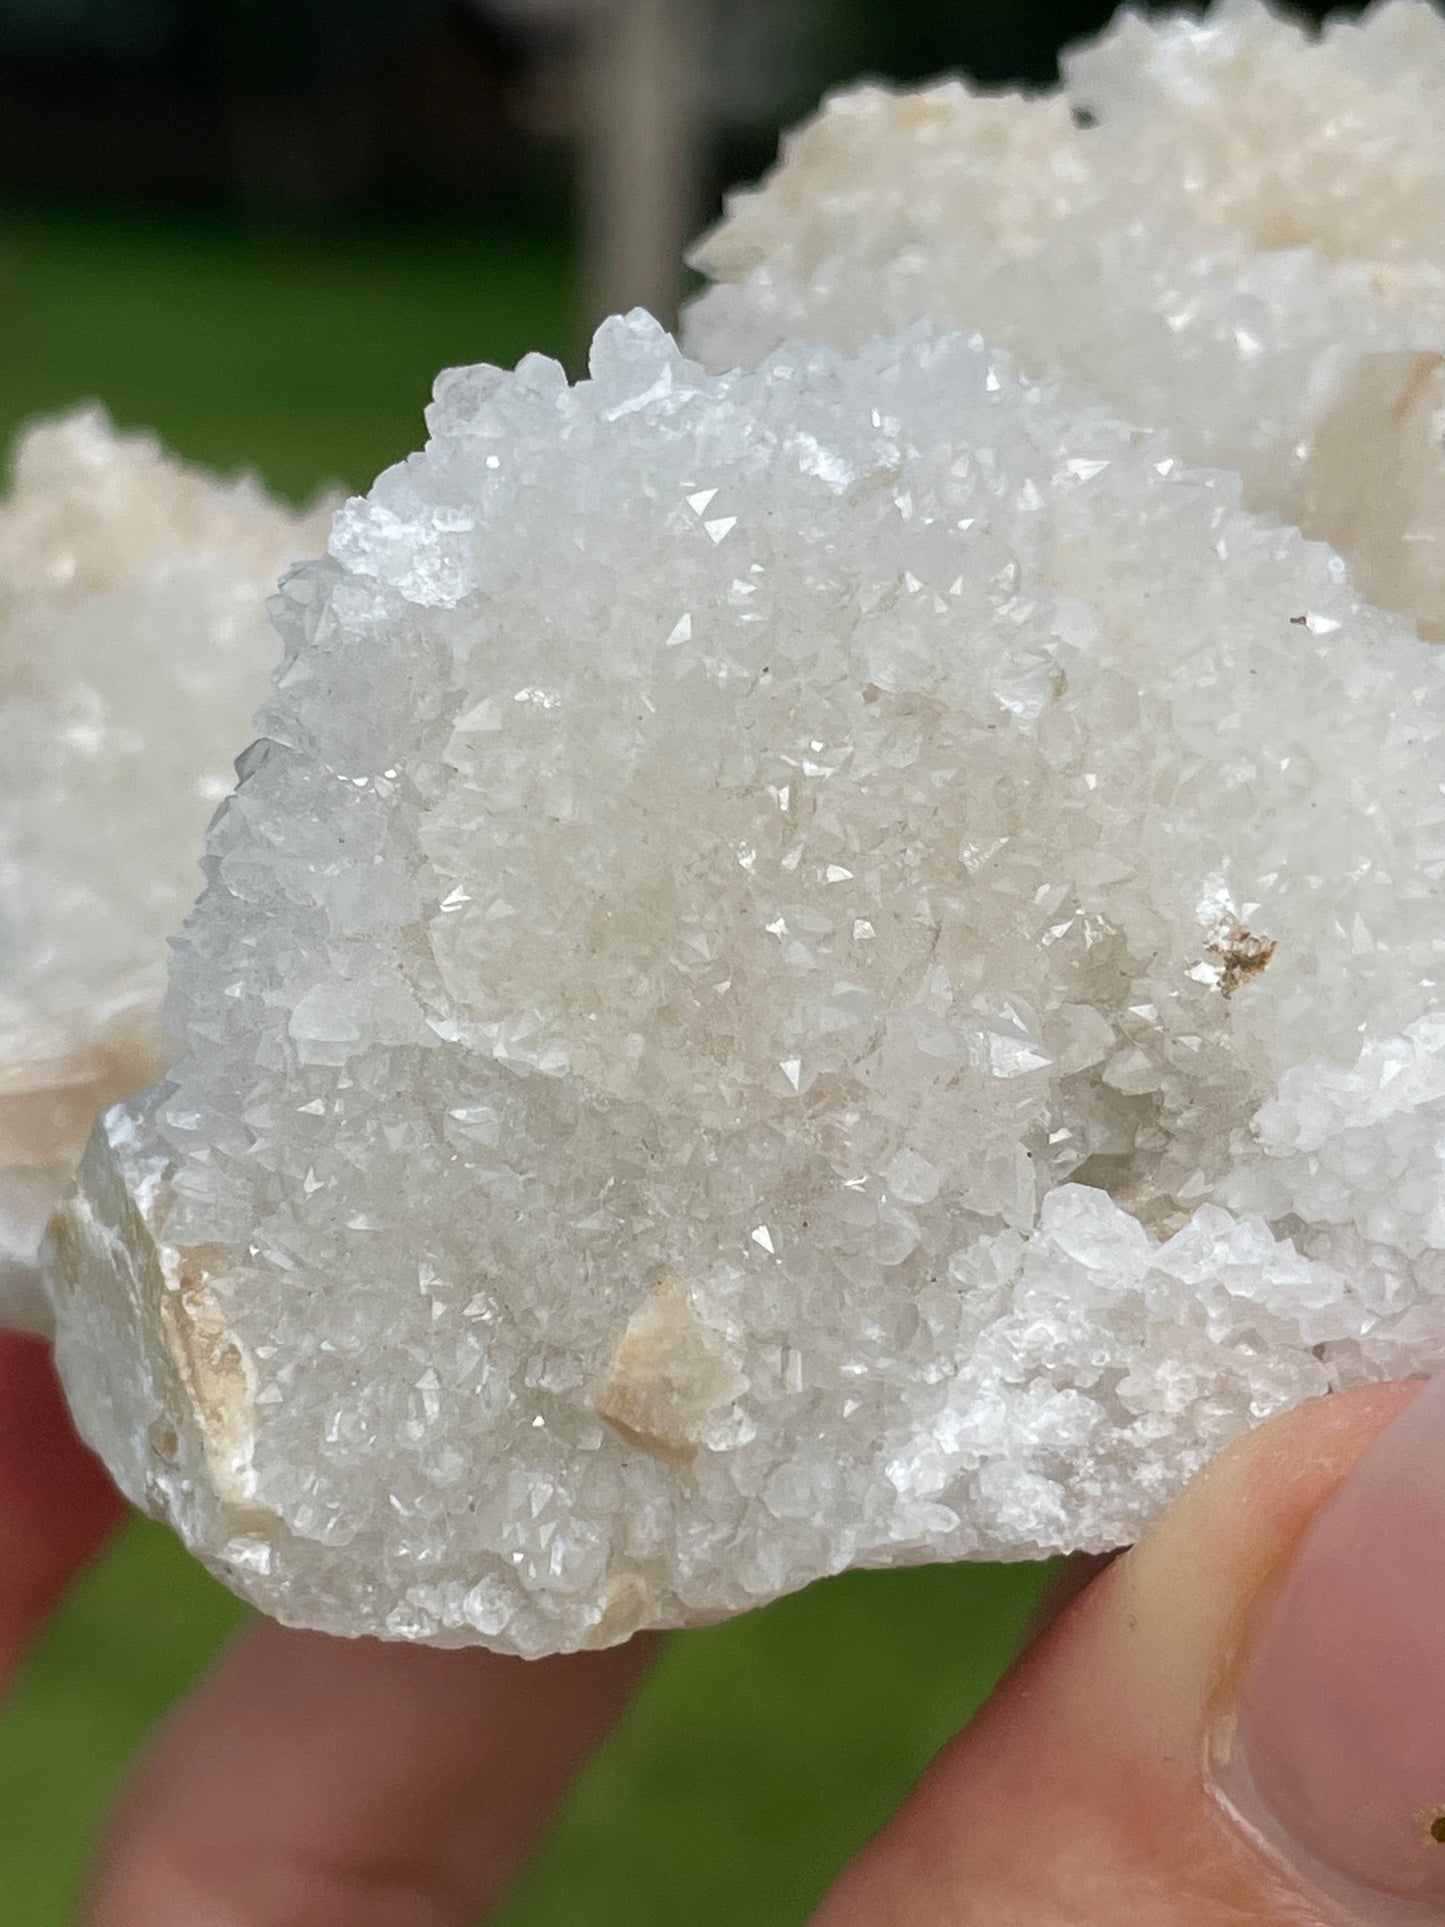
[308, 110]
[260, 227]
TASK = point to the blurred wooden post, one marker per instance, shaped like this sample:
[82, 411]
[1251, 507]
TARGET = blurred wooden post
[644, 155]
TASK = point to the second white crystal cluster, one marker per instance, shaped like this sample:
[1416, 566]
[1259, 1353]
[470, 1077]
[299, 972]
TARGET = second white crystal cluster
[1220, 227]
[134, 652]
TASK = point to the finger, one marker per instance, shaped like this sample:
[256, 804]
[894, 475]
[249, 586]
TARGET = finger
[317, 1782]
[1077, 1573]
[57, 1505]
[1236, 1723]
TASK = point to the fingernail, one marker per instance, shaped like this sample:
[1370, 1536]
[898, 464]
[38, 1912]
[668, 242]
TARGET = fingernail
[1336, 1760]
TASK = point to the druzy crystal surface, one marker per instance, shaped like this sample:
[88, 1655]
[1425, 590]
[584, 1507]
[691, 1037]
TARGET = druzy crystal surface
[1219, 226]
[134, 651]
[823, 966]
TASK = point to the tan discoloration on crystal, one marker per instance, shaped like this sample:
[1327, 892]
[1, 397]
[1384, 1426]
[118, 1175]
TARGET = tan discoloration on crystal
[48, 1105]
[204, 1415]
[629, 1606]
[1426, 366]
[213, 1371]
[1243, 955]
[668, 1376]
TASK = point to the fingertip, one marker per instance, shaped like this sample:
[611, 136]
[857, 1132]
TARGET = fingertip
[57, 1504]
[1081, 1795]
[352, 1783]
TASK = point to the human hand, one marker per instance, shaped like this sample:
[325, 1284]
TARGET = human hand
[316, 1782]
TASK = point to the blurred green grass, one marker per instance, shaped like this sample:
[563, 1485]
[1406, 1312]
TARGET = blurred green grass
[757, 1758]
[311, 362]
[761, 1753]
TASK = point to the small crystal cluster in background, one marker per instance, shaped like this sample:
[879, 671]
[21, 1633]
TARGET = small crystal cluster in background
[1220, 227]
[134, 652]
[836, 963]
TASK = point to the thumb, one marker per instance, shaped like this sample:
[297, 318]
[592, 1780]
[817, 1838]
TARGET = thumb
[1242, 1721]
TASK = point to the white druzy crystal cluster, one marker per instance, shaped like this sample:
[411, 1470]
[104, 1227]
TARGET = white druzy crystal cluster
[1219, 227]
[832, 952]
[828, 965]
[134, 651]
